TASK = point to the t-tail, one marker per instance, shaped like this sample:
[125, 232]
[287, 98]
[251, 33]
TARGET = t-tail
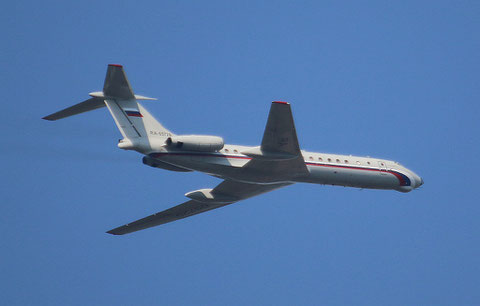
[140, 130]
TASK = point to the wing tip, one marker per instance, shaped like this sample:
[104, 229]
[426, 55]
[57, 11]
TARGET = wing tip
[49, 118]
[114, 232]
[115, 65]
[281, 102]
[121, 230]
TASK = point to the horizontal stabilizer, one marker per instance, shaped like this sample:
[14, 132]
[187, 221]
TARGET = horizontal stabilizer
[82, 107]
[139, 97]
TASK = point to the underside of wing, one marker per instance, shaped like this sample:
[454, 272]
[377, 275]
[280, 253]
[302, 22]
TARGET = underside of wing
[181, 211]
[242, 191]
[227, 189]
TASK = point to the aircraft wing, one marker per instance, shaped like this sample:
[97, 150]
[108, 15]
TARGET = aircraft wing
[227, 189]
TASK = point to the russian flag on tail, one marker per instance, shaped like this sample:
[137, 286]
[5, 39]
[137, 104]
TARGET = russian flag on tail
[133, 113]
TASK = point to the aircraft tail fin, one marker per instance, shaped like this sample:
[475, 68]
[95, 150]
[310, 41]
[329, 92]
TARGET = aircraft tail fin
[135, 123]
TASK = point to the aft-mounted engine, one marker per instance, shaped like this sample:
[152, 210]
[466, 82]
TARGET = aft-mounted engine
[200, 143]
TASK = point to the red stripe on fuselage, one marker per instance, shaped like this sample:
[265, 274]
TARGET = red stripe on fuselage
[399, 177]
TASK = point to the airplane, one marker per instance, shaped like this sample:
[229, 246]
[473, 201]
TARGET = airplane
[246, 171]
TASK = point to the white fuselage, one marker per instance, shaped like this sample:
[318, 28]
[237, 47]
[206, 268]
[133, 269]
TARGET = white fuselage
[326, 169]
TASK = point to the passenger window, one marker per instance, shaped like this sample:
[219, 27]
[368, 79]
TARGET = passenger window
[329, 160]
[311, 158]
[226, 150]
[320, 159]
[338, 160]
[358, 163]
[235, 151]
[346, 161]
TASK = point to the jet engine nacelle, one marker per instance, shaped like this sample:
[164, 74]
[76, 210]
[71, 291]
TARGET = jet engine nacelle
[195, 143]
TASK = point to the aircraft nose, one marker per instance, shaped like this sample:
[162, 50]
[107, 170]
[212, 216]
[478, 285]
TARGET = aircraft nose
[418, 181]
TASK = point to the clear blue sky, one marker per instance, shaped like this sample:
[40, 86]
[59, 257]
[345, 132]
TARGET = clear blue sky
[396, 80]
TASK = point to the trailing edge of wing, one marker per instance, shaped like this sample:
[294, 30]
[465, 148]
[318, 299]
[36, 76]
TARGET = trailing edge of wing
[233, 189]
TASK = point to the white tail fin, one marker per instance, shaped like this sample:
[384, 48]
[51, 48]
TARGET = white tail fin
[141, 131]
[134, 121]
